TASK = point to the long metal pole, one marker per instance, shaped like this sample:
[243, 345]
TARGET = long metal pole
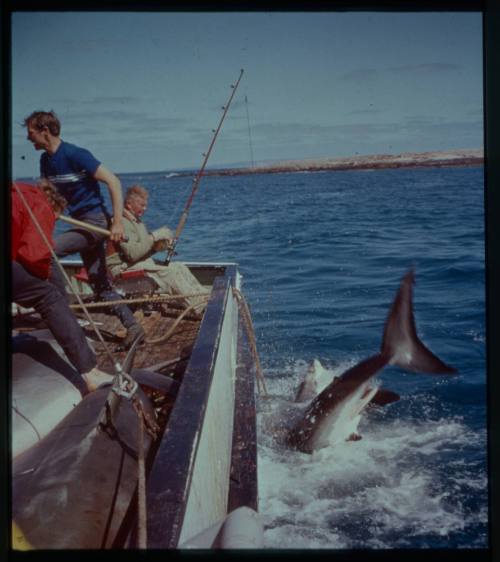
[196, 181]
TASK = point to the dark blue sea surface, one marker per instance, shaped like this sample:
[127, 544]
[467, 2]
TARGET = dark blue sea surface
[321, 256]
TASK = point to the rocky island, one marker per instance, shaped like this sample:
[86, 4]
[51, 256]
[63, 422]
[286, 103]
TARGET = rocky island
[466, 157]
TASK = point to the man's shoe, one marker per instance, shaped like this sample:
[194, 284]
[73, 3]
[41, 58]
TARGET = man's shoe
[96, 378]
[133, 333]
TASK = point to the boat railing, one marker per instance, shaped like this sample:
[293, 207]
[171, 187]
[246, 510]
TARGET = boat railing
[190, 482]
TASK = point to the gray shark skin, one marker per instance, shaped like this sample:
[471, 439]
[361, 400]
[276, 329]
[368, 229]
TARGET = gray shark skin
[400, 346]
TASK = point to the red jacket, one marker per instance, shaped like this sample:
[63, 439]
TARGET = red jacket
[28, 247]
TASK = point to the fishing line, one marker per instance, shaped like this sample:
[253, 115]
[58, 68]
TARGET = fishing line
[184, 188]
[249, 133]
[20, 414]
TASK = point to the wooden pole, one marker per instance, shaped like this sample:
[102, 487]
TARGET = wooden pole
[84, 225]
[87, 226]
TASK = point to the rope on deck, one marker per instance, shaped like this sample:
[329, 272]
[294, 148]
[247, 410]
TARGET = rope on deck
[242, 305]
[172, 328]
[138, 300]
[156, 299]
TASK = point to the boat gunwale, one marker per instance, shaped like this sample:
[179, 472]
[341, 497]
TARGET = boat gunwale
[170, 476]
[243, 490]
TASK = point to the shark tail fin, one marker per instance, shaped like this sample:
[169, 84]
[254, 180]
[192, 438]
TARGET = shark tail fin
[400, 343]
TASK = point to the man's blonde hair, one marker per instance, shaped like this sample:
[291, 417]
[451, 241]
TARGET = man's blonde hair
[136, 191]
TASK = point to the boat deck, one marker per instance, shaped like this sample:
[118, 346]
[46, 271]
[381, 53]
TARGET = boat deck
[203, 463]
[149, 354]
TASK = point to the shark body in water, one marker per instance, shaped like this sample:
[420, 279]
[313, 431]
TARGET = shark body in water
[334, 413]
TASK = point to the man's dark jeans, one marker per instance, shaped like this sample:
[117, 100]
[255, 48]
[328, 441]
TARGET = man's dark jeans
[91, 247]
[30, 291]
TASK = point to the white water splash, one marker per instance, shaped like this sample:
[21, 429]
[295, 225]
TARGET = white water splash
[389, 490]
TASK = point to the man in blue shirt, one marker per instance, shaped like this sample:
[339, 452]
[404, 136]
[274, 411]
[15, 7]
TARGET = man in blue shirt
[76, 174]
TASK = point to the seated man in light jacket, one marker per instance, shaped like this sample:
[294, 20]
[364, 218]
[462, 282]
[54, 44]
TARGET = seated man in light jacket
[135, 254]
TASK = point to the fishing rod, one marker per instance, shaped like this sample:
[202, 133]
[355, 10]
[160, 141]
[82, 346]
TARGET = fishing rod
[196, 181]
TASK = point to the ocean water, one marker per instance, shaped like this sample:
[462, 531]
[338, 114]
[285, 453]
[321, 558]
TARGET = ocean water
[321, 256]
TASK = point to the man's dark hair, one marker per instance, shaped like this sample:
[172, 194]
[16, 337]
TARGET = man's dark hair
[41, 119]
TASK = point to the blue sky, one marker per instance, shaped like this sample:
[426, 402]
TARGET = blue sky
[143, 91]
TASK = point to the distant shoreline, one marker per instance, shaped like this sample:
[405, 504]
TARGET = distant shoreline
[451, 158]
[443, 159]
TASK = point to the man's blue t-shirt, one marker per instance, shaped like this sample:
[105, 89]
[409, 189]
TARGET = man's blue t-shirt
[71, 169]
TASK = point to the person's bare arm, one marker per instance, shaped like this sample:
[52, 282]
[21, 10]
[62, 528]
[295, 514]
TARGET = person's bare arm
[115, 192]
